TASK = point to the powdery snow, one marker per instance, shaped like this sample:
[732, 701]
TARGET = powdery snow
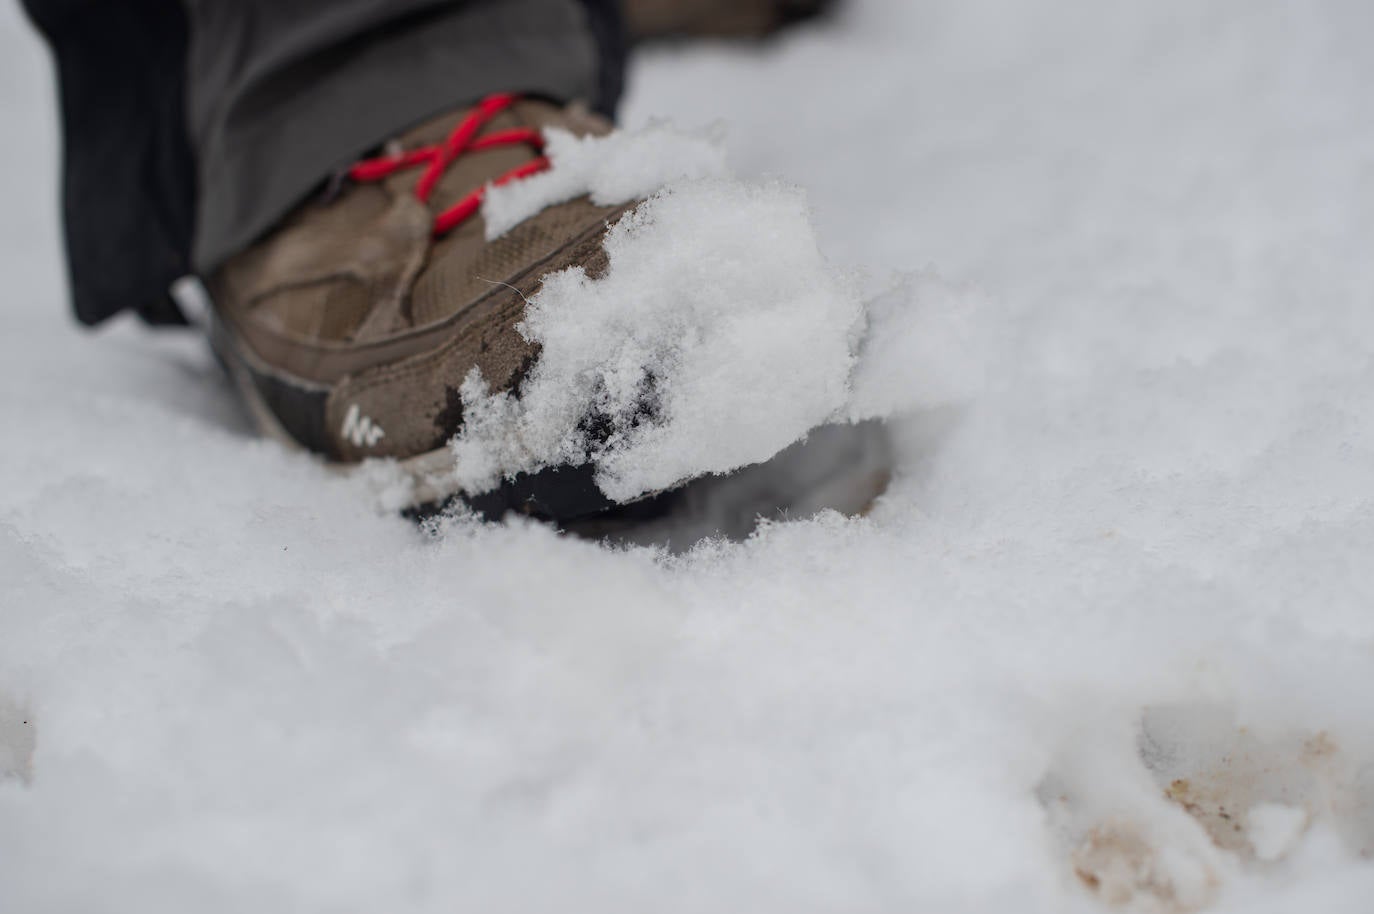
[1111, 616]
[1275, 829]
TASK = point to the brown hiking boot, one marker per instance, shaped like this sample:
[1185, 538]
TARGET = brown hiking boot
[350, 328]
[648, 19]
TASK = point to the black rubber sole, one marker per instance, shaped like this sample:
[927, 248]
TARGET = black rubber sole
[840, 468]
[564, 496]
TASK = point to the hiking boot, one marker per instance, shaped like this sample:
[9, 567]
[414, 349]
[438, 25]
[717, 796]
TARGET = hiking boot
[351, 327]
[648, 19]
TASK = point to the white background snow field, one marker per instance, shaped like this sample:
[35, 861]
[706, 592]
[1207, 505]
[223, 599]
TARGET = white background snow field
[1108, 639]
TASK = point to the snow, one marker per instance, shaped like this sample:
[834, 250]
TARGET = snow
[1275, 829]
[1115, 602]
[622, 166]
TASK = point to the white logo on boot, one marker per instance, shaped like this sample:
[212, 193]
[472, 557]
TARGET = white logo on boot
[361, 430]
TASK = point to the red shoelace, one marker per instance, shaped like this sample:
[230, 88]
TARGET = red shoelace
[463, 139]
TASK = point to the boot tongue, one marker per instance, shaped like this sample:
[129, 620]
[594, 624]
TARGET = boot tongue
[466, 173]
[406, 227]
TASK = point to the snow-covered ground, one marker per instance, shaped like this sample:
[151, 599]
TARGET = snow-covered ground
[1109, 637]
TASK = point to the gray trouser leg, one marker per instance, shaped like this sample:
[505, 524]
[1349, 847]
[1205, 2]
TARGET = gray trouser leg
[281, 93]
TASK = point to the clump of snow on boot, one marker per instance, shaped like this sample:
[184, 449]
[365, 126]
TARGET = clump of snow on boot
[718, 336]
[618, 168]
